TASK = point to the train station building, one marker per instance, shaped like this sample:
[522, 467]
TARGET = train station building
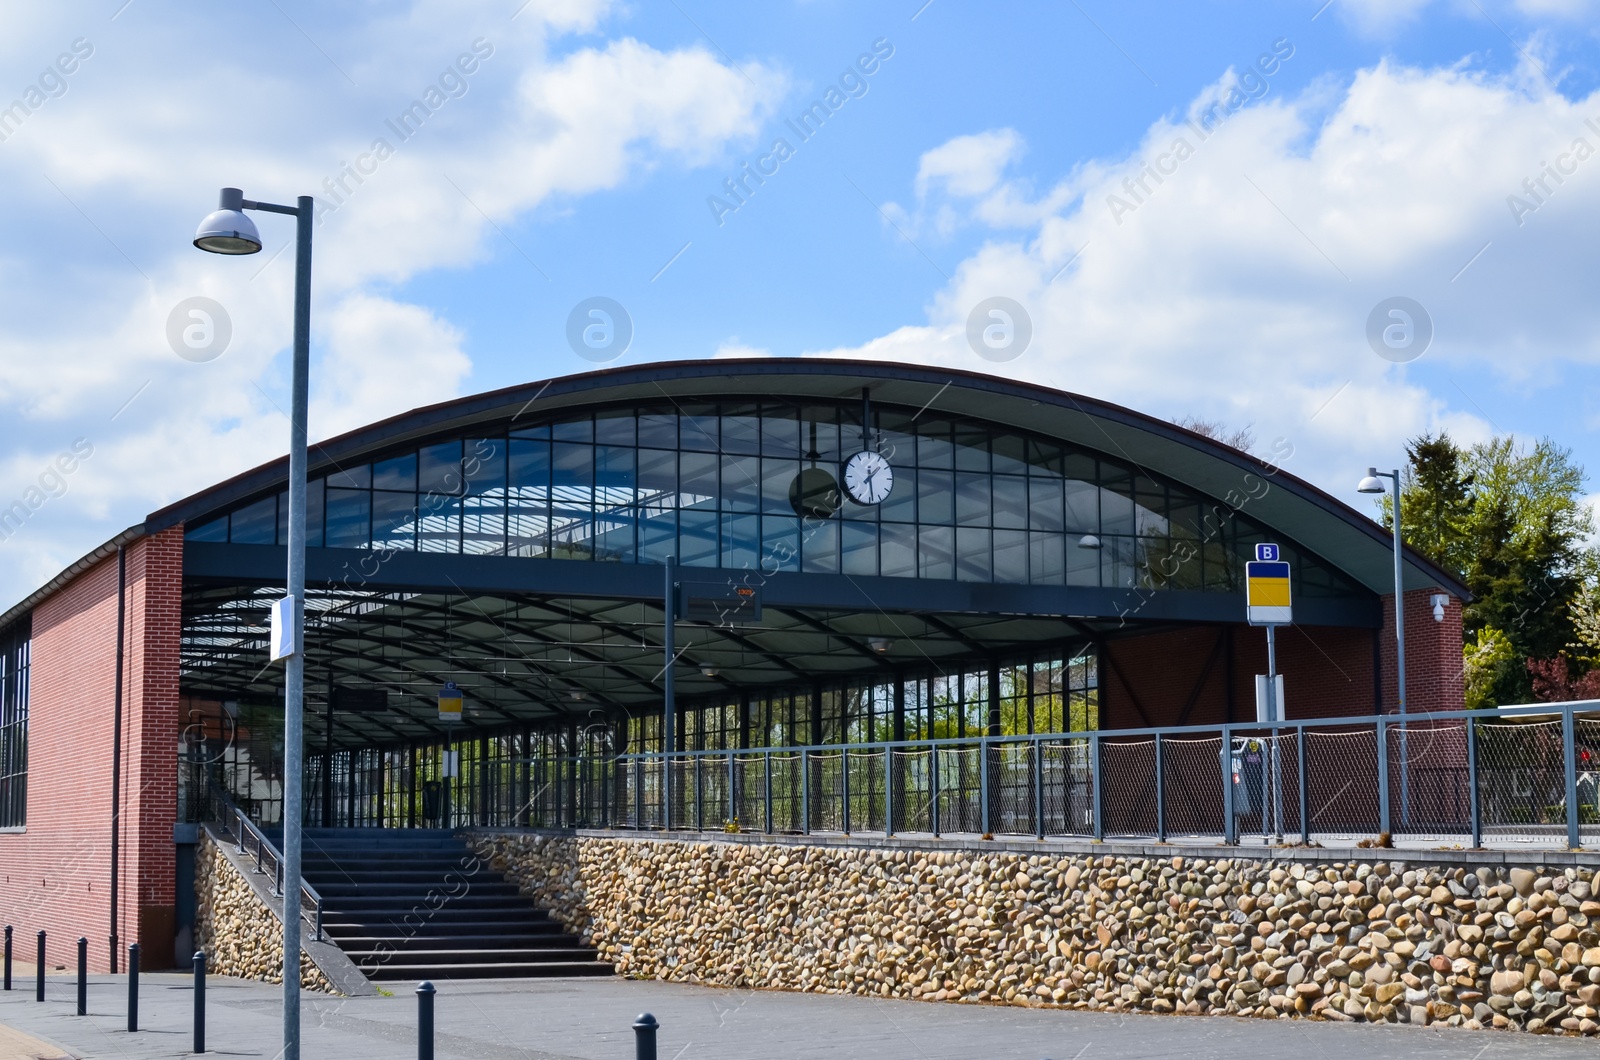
[837, 552]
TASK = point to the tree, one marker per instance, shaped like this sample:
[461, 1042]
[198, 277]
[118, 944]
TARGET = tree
[1238, 437]
[1510, 522]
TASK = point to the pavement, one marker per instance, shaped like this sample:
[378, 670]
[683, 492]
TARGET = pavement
[591, 1019]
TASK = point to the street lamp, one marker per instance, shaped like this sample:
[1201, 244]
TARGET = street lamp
[1372, 483]
[228, 231]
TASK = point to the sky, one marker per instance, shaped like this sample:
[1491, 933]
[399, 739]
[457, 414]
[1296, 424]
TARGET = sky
[1340, 224]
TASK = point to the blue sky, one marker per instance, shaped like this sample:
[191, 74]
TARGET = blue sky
[1395, 148]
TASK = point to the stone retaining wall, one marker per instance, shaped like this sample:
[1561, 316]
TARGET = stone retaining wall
[239, 934]
[1515, 948]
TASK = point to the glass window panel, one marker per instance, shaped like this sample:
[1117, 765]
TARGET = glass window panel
[971, 447]
[934, 447]
[741, 430]
[777, 478]
[780, 432]
[658, 476]
[819, 545]
[901, 504]
[580, 429]
[658, 430]
[616, 476]
[1218, 571]
[349, 518]
[530, 463]
[1011, 556]
[615, 428]
[972, 499]
[1010, 502]
[1010, 455]
[974, 555]
[935, 492]
[697, 538]
[1116, 502]
[1083, 506]
[780, 542]
[860, 547]
[256, 524]
[571, 529]
[1150, 507]
[1045, 503]
[215, 530]
[697, 477]
[314, 505]
[741, 542]
[539, 430]
[439, 468]
[658, 533]
[439, 523]
[1045, 561]
[1043, 458]
[741, 484]
[572, 472]
[483, 523]
[1185, 518]
[1182, 564]
[936, 553]
[698, 428]
[1119, 562]
[821, 434]
[396, 473]
[358, 477]
[1083, 564]
[394, 520]
[614, 534]
[484, 464]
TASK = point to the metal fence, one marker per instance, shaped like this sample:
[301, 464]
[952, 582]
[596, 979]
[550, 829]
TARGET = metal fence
[1505, 776]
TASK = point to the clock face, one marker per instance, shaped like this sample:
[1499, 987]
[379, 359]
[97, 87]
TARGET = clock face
[868, 478]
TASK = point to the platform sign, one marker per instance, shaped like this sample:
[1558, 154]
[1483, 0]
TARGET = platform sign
[1266, 581]
[720, 603]
[450, 703]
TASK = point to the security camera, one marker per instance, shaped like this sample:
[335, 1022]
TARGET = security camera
[1440, 602]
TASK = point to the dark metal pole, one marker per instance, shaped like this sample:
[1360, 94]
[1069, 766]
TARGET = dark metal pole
[8, 957]
[1161, 799]
[1305, 800]
[644, 1037]
[133, 987]
[199, 1002]
[1475, 808]
[38, 970]
[83, 976]
[116, 750]
[669, 719]
[425, 994]
[1570, 746]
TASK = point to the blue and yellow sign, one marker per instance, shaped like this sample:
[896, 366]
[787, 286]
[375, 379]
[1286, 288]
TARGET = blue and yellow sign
[450, 703]
[1266, 590]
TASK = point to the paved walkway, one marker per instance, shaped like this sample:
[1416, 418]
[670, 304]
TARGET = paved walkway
[564, 1019]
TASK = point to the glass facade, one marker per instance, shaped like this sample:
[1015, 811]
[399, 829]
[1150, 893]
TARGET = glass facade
[757, 486]
[14, 650]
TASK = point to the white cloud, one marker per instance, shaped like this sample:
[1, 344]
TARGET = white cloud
[1237, 285]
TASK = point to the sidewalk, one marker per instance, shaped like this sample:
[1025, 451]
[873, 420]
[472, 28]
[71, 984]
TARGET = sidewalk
[590, 1019]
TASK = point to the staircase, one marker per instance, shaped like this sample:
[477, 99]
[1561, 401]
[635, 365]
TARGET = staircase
[417, 904]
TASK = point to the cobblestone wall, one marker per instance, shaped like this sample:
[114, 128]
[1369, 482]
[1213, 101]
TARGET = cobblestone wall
[1513, 948]
[240, 936]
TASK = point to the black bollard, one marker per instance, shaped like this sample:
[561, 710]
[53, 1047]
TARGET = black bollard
[133, 987]
[425, 994]
[83, 976]
[644, 1037]
[8, 956]
[199, 1002]
[39, 971]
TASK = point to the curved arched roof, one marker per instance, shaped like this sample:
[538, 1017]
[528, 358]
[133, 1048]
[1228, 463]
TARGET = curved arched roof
[1273, 497]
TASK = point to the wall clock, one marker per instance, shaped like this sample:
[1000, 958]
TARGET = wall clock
[868, 478]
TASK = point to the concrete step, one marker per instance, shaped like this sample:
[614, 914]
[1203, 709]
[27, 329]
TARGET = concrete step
[390, 970]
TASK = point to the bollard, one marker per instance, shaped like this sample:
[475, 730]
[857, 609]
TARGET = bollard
[133, 987]
[8, 956]
[199, 1002]
[83, 976]
[425, 994]
[644, 1035]
[39, 971]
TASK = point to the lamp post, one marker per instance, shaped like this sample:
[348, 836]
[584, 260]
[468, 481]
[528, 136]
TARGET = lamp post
[1372, 484]
[229, 231]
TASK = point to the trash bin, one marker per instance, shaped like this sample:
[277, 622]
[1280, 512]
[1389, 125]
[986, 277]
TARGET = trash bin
[432, 800]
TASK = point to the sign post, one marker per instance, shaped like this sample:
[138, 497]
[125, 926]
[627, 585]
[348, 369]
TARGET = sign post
[1267, 603]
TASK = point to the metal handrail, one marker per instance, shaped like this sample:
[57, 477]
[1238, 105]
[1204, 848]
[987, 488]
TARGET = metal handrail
[249, 831]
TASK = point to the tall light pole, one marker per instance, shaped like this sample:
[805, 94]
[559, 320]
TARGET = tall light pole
[1372, 484]
[229, 231]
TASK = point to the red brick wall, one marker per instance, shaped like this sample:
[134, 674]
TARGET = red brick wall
[57, 871]
[1433, 654]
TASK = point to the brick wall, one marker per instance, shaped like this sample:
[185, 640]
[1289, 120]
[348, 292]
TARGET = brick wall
[1433, 654]
[57, 871]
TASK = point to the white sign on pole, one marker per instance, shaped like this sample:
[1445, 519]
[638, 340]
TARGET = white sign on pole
[285, 640]
[1269, 703]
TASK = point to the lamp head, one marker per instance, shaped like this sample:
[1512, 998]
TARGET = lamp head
[709, 671]
[1372, 483]
[227, 230]
[881, 645]
[1089, 541]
